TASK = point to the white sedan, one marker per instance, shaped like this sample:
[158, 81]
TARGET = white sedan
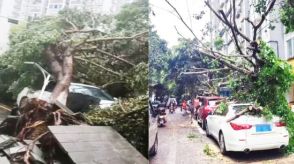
[246, 133]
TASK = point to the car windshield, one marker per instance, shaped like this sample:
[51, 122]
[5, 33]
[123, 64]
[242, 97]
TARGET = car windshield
[239, 108]
[212, 102]
[95, 92]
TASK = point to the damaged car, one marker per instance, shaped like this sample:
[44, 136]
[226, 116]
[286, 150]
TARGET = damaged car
[80, 97]
[237, 128]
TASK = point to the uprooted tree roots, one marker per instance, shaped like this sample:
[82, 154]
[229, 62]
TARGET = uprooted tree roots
[32, 124]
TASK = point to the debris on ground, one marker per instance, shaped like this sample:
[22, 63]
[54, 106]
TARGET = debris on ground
[209, 151]
[51, 133]
[192, 136]
[26, 138]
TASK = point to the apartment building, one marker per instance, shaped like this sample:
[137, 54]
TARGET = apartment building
[13, 11]
[9, 14]
[245, 9]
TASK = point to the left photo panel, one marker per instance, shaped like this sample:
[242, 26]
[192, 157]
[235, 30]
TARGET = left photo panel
[74, 81]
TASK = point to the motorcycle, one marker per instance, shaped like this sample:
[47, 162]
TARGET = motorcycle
[161, 117]
[172, 108]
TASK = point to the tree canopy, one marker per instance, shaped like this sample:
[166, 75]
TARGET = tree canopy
[106, 49]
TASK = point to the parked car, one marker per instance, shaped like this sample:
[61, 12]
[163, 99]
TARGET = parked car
[247, 132]
[153, 131]
[208, 104]
[155, 104]
[79, 99]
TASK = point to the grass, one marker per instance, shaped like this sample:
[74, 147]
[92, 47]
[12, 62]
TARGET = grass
[192, 136]
[208, 151]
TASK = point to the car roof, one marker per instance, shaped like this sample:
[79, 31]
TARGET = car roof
[211, 97]
[84, 85]
[233, 104]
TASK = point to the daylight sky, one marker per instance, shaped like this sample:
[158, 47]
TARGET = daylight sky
[165, 19]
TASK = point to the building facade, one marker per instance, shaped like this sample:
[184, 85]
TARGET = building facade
[12, 11]
[272, 30]
[9, 14]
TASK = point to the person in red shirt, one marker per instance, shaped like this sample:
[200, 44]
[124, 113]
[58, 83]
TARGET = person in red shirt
[184, 105]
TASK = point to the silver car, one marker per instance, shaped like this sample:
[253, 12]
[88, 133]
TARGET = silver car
[80, 97]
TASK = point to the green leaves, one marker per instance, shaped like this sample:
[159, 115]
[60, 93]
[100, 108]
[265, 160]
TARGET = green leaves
[133, 18]
[218, 43]
[287, 16]
[269, 87]
[260, 6]
[129, 118]
[28, 42]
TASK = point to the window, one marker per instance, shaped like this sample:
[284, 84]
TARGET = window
[239, 108]
[95, 92]
[290, 48]
[221, 111]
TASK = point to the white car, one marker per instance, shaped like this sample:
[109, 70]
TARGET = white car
[79, 98]
[246, 133]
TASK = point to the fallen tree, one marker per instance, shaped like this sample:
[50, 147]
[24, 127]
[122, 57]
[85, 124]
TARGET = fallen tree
[32, 124]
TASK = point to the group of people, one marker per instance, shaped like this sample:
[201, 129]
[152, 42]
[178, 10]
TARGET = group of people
[189, 105]
[186, 105]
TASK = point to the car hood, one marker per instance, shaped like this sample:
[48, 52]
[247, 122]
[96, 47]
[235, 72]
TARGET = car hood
[105, 103]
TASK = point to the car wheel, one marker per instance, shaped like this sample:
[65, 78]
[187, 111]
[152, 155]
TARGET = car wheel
[203, 125]
[207, 131]
[198, 119]
[154, 148]
[222, 144]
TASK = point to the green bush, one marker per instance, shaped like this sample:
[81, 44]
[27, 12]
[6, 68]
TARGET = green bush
[129, 118]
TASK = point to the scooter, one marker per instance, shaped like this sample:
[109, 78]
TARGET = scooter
[161, 117]
[172, 108]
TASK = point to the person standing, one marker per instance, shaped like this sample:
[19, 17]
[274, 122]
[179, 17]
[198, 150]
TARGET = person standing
[184, 105]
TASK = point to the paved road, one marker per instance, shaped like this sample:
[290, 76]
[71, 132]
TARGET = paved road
[181, 142]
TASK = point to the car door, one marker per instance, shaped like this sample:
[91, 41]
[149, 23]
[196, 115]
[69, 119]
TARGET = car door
[216, 120]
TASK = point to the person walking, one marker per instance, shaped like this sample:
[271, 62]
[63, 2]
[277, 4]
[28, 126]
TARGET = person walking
[184, 105]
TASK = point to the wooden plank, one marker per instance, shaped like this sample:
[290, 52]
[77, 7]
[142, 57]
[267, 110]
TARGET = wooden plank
[81, 129]
[96, 144]
[4, 160]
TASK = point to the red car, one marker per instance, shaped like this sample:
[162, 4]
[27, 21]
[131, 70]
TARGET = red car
[208, 104]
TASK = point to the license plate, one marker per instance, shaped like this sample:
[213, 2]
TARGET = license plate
[263, 128]
[161, 121]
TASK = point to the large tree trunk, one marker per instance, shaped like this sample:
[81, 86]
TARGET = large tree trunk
[61, 65]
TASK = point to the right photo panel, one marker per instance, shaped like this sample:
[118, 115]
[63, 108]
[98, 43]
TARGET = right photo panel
[221, 76]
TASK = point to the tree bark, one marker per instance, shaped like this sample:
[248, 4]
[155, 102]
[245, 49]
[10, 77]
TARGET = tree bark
[61, 64]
